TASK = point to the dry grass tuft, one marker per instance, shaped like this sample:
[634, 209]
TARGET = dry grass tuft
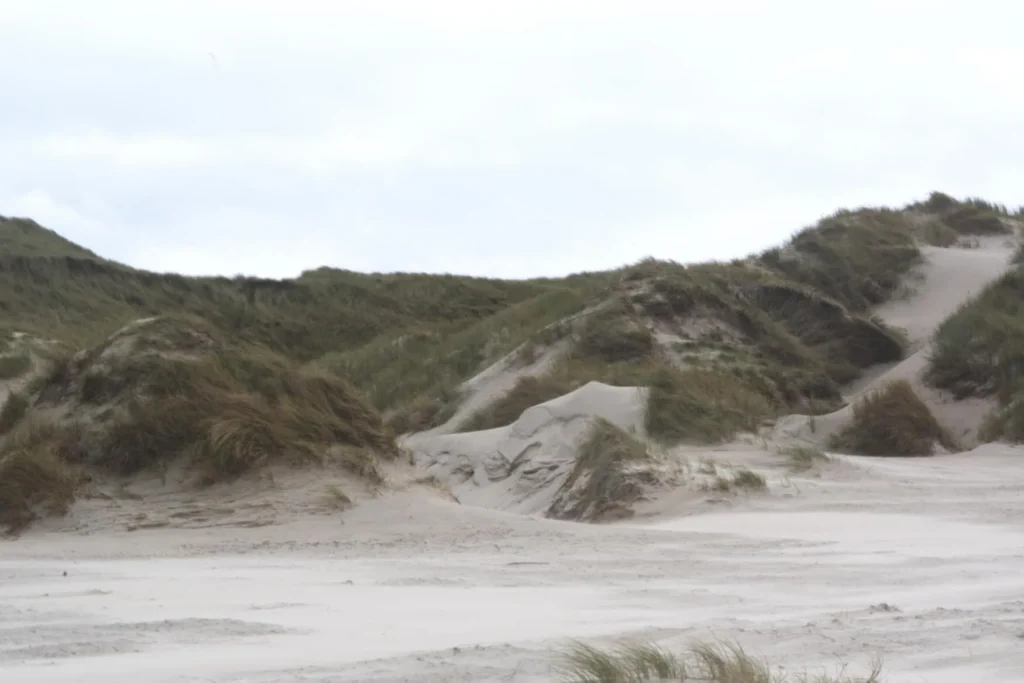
[14, 365]
[702, 663]
[803, 458]
[601, 485]
[624, 664]
[35, 477]
[750, 480]
[892, 421]
[174, 388]
[979, 351]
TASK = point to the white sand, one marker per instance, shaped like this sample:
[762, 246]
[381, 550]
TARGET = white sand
[918, 561]
[948, 278]
[409, 588]
[521, 467]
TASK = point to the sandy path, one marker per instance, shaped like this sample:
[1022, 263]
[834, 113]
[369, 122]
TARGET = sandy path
[408, 589]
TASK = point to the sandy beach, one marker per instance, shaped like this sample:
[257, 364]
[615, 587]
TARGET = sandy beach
[918, 562]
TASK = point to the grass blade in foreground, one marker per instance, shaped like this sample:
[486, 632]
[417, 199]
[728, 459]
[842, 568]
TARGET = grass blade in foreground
[703, 663]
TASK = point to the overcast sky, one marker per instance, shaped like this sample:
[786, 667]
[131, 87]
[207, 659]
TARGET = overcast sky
[495, 138]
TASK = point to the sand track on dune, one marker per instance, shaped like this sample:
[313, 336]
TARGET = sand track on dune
[948, 278]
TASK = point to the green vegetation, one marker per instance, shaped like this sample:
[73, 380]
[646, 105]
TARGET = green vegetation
[21, 237]
[646, 663]
[971, 216]
[35, 476]
[894, 421]
[54, 289]
[15, 365]
[803, 458]
[979, 351]
[599, 485]
[742, 478]
[760, 345]
[857, 258]
[416, 374]
[747, 479]
[177, 388]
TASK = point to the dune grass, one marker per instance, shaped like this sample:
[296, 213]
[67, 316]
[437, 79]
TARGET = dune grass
[779, 346]
[415, 375]
[232, 409]
[857, 258]
[749, 480]
[36, 478]
[408, 341]
[14, 365]
[894, 421]
[803, 458]
[599, 485]
[979, 351]
[177, 388]
[699, 405]
[57, 290]
[701, 663]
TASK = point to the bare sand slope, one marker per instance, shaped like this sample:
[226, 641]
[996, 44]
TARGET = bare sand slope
[948, 278]
[919, 561]
[495, 381]
[521, 467]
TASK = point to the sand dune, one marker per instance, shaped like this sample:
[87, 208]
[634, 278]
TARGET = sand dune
[918, 561]
[522, 467]
[948, 278]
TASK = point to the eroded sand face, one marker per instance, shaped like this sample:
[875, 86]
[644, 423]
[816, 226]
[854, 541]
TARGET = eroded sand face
[919, 561]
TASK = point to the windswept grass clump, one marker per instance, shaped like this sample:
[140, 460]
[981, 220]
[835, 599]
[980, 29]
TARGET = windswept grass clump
[229, 410]
[703, 406]
[858, 258]
[892, 421]
[750, 480]
[175, 389]
[702, 663]
[968, 217]
[614, 335]
[36, 478]
[803, 458]
[979, 351]
[14, 365]
[599, 484]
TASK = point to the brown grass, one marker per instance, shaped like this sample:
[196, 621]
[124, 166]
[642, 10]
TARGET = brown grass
[157, 393]
[233, 411]
[698, 405]
[701, 663]
[892, 421]
[599, 485]
[979, 351]
[15, 365]
[35, 476]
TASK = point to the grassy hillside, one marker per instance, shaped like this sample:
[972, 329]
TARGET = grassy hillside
[776, 331]
[24, 237]
[176, 390]
[979, 351]
[235, 373]
[52, 288]
[725, 345]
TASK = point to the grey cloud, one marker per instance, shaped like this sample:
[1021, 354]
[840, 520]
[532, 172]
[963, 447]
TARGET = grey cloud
[388, 137]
